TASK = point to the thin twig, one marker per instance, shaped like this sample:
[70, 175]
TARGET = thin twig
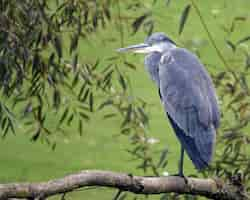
[212, 40]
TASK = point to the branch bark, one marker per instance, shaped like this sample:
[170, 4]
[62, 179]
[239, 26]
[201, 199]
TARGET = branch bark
[209, 188]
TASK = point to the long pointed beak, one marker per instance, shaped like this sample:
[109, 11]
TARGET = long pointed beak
[138, 48]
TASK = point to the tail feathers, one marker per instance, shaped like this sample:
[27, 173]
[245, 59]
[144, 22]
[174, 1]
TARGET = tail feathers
[205, 142]
[192, 151]
[198, 149]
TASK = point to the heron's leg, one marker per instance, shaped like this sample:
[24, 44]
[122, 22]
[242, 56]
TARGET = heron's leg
[180, 173]
[180, 170]
[181, 162]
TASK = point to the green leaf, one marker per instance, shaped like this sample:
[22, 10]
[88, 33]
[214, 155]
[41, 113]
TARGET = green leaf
[36, 135]
[231, 45]
[144, 116]
[70, 119]
[148, 27]
[73, 43]
[11, 125]
[80, 129]
[95, 65]
[107, 116]
[39, 38]
[35, 63]
[39, 113]
[239, 97]
[108, 75]
[82, 89]
[105, 103]
[95, 19]
[8, 126]
[91, 102]
[3, 124]
[56, 98]
[130, 65]
[84, 116]
[51, 59]
[64, 115]
[128, 116]
[85, 95]
[28, 109]
[122, 82]
[53, 147]
[183, 18]
[75, 80]
[58, 46]
[86, 77]
[247, 62]
[74, 62]
[138, 22]
[245, 39]
[163, 157]
[244, 83]
[126, 131]
[107, 12]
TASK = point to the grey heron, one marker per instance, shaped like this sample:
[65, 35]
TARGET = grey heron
[187, 94]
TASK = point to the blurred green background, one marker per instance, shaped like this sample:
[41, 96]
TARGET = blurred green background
[101, 146]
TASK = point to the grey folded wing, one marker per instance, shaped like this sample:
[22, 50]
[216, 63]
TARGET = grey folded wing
[189, 98]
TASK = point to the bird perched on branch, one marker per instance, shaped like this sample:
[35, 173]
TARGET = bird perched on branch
[187, 94]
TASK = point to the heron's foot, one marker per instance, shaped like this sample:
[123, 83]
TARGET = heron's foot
[182, 176]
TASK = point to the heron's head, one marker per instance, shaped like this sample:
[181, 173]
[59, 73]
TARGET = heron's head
[157, 42]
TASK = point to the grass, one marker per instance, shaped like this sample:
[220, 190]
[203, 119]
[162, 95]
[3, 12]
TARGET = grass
[100, 147]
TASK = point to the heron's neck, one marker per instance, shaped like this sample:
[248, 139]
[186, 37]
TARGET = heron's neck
[152, 66]
[167, 46]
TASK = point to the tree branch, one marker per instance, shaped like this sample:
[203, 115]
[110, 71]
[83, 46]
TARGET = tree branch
[140, 185]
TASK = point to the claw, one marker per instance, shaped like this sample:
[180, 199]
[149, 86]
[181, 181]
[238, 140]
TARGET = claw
[185, 179]
[182, 176]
